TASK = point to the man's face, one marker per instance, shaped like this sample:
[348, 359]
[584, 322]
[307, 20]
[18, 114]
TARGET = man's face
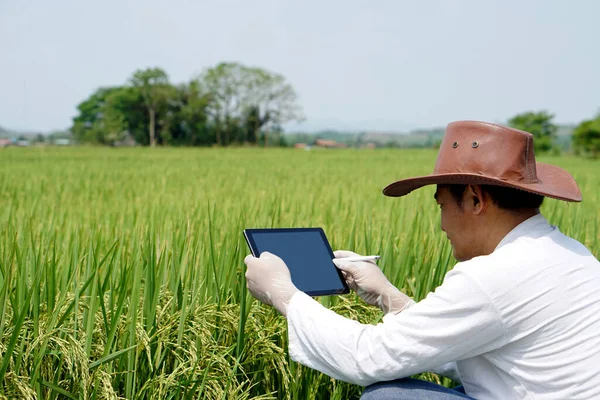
[457, 223]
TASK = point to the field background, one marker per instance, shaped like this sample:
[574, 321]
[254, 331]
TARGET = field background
[121, 272]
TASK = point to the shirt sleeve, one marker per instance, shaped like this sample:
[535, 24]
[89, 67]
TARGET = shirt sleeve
[456, 321]
[449, 370]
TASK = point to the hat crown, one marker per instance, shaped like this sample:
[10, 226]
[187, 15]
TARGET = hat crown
[472, 147]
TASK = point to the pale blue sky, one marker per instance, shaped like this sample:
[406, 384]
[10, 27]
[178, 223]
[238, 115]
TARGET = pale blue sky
[382, 65]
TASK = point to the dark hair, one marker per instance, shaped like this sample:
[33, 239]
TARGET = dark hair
[504, 197]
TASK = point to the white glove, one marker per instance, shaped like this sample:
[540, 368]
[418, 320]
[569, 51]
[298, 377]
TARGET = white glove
[269, 280]
[369, 282]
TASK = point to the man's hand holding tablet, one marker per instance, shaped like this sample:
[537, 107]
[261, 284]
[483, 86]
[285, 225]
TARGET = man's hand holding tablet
[285, 261]
[369, 282]
[306, 253]
[269, 280]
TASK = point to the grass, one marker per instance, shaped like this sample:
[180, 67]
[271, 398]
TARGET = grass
[121, 272]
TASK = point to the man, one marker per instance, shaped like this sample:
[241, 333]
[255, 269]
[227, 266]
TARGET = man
[517, 318]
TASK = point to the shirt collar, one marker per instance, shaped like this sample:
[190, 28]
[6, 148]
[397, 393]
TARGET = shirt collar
[533, 224]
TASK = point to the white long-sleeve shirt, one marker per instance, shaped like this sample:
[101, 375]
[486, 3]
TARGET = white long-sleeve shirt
[520, 323]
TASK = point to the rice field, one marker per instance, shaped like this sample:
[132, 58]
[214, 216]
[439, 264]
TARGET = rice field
[121, 272]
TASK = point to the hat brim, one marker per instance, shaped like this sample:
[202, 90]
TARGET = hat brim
[553, 182]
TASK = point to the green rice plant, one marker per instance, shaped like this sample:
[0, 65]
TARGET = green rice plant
[122, 275]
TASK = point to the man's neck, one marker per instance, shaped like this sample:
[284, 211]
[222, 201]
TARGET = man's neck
[500, 225]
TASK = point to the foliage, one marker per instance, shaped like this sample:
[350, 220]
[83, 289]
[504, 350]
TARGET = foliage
[586, 137]
[228, 104]
[153, 85]
[246, 100]
[122, 275]
[540, 125]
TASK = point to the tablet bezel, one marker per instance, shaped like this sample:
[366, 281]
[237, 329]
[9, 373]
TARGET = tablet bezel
[250, 240]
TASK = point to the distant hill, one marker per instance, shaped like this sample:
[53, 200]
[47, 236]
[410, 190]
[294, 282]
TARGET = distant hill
[349, 138]
[9, 133]
[414, 139]
[566, 130]
[563, 139]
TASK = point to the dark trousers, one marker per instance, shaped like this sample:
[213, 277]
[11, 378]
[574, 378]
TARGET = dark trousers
[413, 389]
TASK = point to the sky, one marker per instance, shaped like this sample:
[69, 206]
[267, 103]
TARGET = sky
[356, 65]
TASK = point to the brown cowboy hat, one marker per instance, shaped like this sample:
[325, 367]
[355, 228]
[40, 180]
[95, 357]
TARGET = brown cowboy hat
[480, 153]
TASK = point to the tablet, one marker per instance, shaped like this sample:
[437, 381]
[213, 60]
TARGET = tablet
[307, 254]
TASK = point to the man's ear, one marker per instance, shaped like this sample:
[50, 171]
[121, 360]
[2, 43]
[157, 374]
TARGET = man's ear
[476, 199]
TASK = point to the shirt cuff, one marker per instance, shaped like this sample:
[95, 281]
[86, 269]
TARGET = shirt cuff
[393, 314]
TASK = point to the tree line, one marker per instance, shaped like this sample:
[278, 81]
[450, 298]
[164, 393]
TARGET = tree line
[227, 104]
[585, 139]
[231, 103]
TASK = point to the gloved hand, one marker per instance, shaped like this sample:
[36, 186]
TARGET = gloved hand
[269, 280]
[369, 282]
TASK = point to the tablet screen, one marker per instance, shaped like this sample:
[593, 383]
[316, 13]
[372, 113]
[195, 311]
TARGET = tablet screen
[307, 254]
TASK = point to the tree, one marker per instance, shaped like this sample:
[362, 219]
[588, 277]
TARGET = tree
[225, 84]
[230, 103]
[272, 100]
[90, 112]
[186, 117]
[109, 114]
[586, 137]
[244, 100]
[252, 124]
[153, 84]
[540, 125]
[125, 114]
